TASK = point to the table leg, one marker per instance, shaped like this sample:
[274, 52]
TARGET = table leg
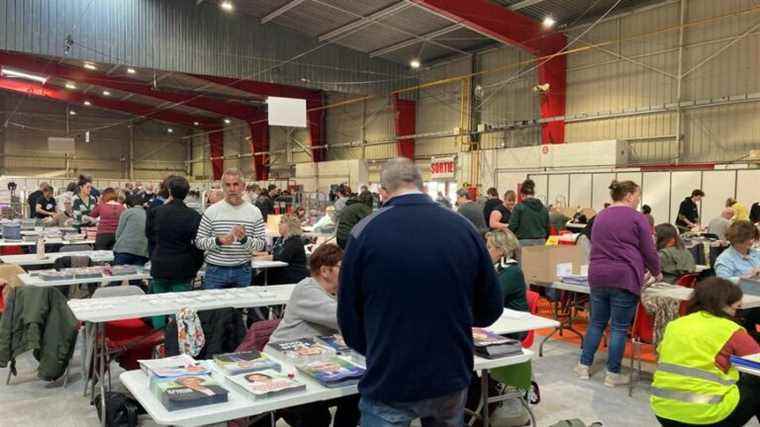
[266, 276]
[484, 397]
[546, 338]
[85, 371]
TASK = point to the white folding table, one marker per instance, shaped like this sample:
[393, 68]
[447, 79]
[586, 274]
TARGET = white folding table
[97, 311]
[265, 265]
[28, 260]
[242, 405]
[48, 241]
[29, 280]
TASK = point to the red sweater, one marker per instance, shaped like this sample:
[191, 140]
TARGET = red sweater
[740, 344]
[109, 214]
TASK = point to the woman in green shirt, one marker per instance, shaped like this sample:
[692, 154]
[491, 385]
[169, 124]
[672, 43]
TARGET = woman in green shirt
[502, 245]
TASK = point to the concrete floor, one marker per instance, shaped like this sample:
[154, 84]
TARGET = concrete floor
[28, 402]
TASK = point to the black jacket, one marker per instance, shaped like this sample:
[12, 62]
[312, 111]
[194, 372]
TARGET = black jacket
[291, 251]
[31, 200]
[354, 212]
[223, 329]
[170, 230]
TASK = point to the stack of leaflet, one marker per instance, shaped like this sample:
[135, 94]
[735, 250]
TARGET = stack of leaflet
[320, 362]
[752, 361]
[266, 383]
[493, 346]
[337, 343]
[244, 362]
[181, 383]
[575, 279]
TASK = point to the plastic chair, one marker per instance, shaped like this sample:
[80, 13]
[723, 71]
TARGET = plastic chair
[688, 280]
[642, 332]
[533, 298]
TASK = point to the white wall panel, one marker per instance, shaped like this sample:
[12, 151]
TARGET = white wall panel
[681, 185]
[748, 187]
[656, 194]
[718, 186]
[542, 187]
[509, 181]
[629, 176]
[601, 190]
[580, 190]
[558, 189]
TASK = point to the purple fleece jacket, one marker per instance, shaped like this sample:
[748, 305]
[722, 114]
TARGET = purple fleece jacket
[622, 248]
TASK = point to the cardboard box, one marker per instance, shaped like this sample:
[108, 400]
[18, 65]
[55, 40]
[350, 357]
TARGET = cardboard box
[539, 263]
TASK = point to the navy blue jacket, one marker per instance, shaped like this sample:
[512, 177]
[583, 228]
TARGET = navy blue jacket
[415, 279]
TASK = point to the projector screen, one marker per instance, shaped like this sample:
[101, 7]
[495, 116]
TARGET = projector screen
[289, 112]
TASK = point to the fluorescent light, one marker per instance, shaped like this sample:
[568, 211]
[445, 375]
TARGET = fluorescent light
[227, 121]
[87, 103]
[170, 130]
[131, 71]
[72, 113]
[549, 22]
[227, 6]
[106, 93]
[71, 86]
[90, 66]
[22, 75]
[415, 63]
[196, 124]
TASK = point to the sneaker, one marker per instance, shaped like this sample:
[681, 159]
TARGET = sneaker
[582, 371]
[614, 380]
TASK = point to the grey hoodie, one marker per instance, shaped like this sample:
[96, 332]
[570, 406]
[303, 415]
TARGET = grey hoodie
[310, 312]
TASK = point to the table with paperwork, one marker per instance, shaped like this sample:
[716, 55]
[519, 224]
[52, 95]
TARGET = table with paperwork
[48, 241]
[243, 405]
[29, 280]
[28, 260]
[98, 311]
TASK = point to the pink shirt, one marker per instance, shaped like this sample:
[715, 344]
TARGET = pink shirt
[109, 216]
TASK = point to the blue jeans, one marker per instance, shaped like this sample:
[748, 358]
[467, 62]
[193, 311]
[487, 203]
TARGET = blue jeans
[227, 277]
[618, 307]
[446, 411]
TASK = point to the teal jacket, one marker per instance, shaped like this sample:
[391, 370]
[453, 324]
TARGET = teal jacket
[38, 319]
[513, 286]
[530, 220]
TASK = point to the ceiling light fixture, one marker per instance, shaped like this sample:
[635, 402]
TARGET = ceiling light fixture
[227, 121]
[87, 103]
[8, 72]
[415, 63]
[131, 71]
[71, 86]
[227, 6]
[170, 130]
[106, 93]
[90, 66]
[196, 124]
[72, 113]
[549, 22]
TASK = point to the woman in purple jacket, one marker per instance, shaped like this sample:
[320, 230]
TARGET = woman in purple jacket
[622, 249]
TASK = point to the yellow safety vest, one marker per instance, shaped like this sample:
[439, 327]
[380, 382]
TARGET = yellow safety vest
[688, 387]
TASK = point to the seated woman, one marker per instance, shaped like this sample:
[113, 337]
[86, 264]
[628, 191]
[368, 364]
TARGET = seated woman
[740, 261]
[502, 245]
[289, 248]
[695, 383]
[675, 260]
[312, 311]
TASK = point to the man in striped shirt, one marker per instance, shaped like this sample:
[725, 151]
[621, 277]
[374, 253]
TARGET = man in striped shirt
[230, 231]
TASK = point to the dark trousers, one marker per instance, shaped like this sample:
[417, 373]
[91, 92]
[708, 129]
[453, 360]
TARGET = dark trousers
[318, 414]
[748, 407]
[751, 318]
[105, 242]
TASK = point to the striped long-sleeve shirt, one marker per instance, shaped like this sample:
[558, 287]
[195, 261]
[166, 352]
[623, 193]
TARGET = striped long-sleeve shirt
[218, 221]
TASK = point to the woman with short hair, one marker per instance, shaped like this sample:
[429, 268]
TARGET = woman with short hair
[502, 246]
[313, 311]
[695, 383]
[289, 248]
[501, 213]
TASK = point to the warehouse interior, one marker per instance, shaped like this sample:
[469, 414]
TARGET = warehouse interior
[571, 94]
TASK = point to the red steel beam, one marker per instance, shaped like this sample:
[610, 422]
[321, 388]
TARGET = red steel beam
[260, 143]
[512, 28]
[405, 118]
[58, 94]
[75, 74]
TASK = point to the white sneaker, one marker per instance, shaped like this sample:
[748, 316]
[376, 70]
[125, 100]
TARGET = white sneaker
[614, 380]
[582, 371]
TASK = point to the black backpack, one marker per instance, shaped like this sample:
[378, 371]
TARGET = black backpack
[121, 410]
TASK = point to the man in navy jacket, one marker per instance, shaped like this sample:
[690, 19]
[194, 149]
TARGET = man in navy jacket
[414, 280]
